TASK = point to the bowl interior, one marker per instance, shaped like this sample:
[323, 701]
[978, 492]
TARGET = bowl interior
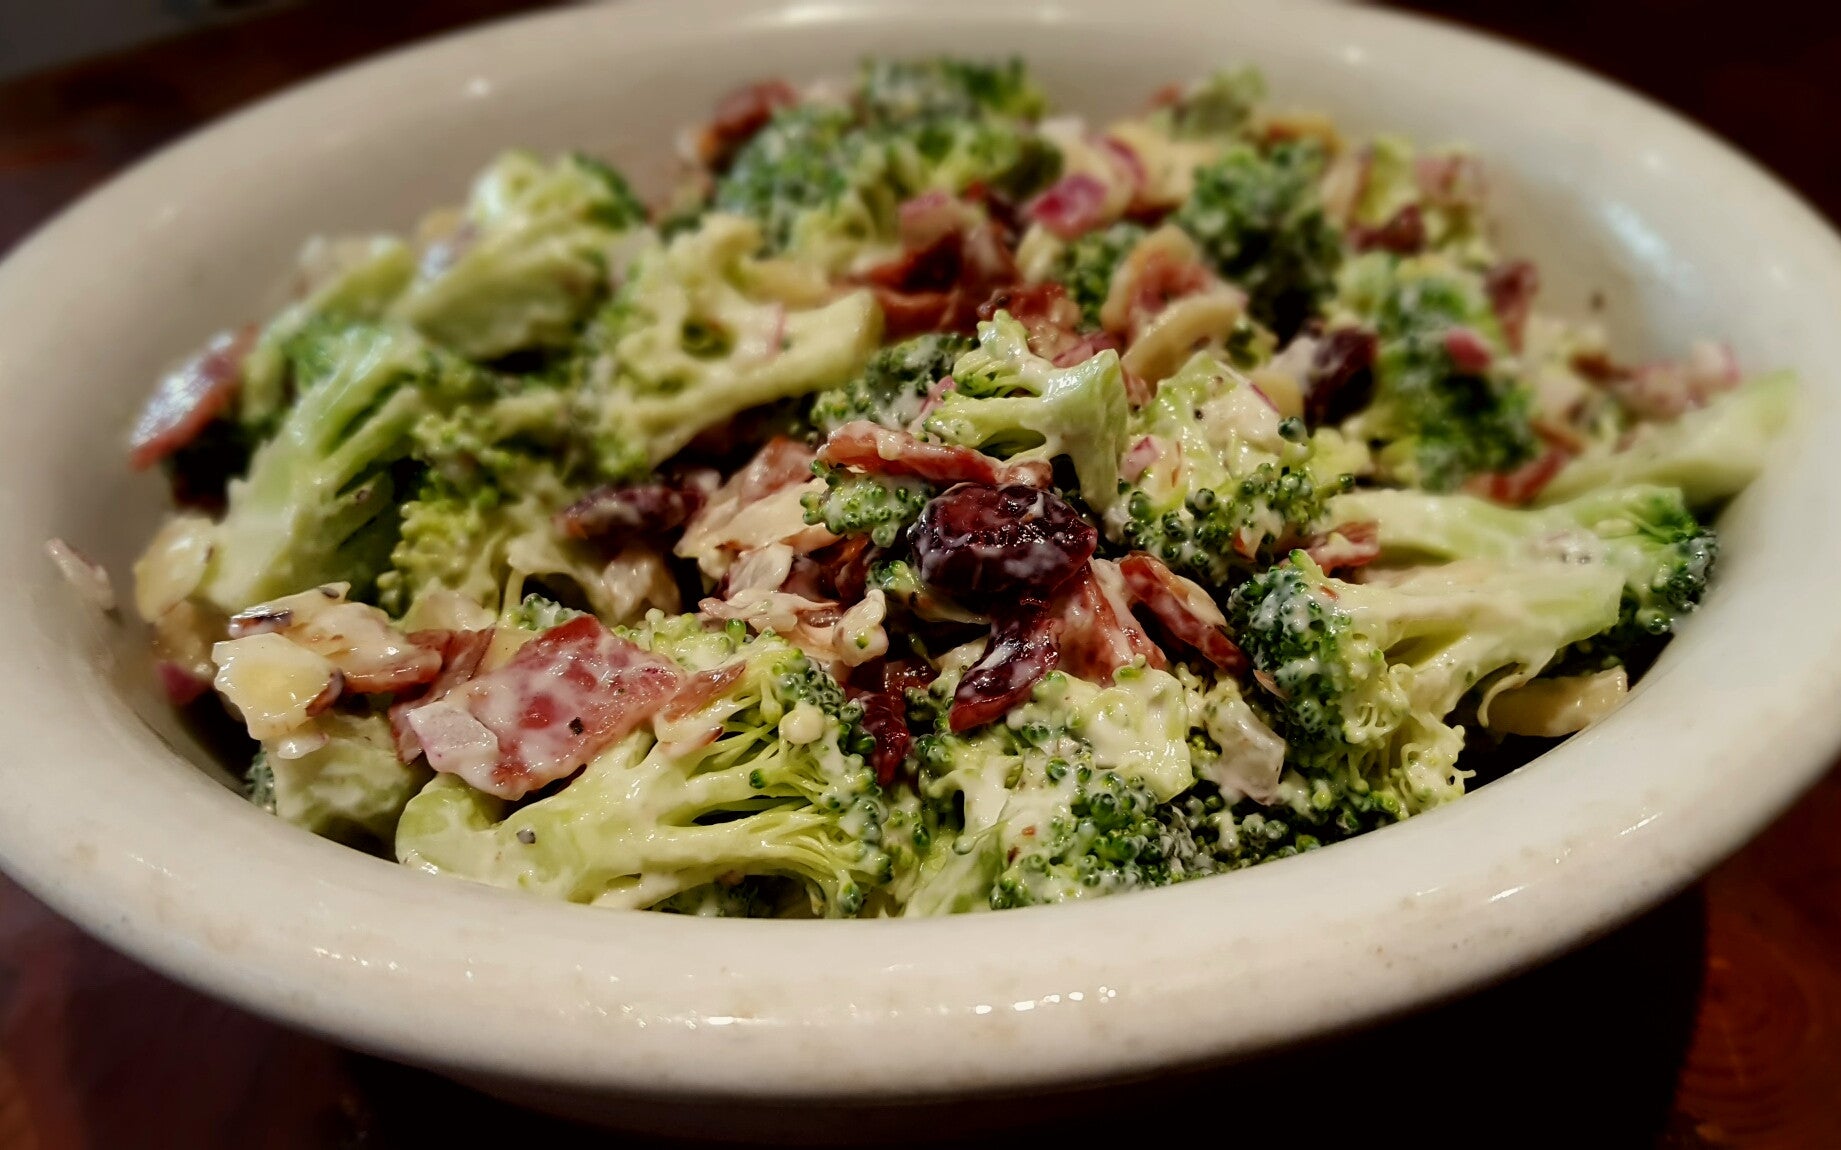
[110, 817]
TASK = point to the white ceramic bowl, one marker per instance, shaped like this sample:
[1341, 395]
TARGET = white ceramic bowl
[117, 820]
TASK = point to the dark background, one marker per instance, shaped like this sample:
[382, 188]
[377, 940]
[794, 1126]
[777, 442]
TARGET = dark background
[1711, 1022]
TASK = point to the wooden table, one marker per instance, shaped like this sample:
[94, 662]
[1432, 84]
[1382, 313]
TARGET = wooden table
[1714, 1021]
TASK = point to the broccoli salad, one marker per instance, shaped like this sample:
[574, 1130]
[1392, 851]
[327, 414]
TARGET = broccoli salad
[933, 504]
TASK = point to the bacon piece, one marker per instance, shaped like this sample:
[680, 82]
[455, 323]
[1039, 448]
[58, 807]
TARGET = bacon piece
[1044, 310]
[1451, 180]
[1022, 649]
[1518, 486]
[869, 447]
[1152, 277]
[1071, 206]
[881, 688]
[1341, 375]
[953, 258]
[1183, 609]
[460, 653]
[1670, 388]
[1094, 626]
[562, 698]
[1346, 547]
[738, 117]
[1402, 233]
[700, 690]
[1511, 287]
[189, 398]
[1468, 351]
[648, 508]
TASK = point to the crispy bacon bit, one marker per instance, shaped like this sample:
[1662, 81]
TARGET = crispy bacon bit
[1183, 609]
[953, 258]
[1046, 313]
[1152, 277]
[1095, 629]
[1453, 179]
[188, 399]
[1512, 286]
[181, 684]
[460, 653]
[1071, 206]
[646, 508]
[509, 731]
[1402, 233]
[1021, 651]
[844, 568]
[782, 462]
[700, 690]
[1469, 352]
[738, 117]
[1345, 548]
[1599, 368]
[1341, 375]
[977, 542]
[869, 447]
[1522, 484]
[1670, 388]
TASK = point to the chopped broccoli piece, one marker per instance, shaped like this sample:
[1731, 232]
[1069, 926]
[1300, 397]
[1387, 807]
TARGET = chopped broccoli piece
[1360, 678]
[898, 92]
[1710, 454]
[352, 789]
[894, 385]
[1013, 403]
[1218, 106]
[782, 791]
[1085, 266]
[874, 505]
[1231, 483]
[684, 347]
[1438, 422]
[1259, 220]
[530, 260]
[318, 504]
[1646, 534]
[803, 162]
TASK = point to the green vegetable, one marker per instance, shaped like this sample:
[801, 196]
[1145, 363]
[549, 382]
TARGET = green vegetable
[783, 790]
[1646, 534]
[1085, 266]
[1711, 454]
[1437, 423]
[318, 504]
[1012, 403]
[352, 789]
[874, 505]
[684, 347]
[1217, 106]
[531, 259]
[894, 93]
[1232, 483]
[1360, 678]
[1259, 220]
[893, 386]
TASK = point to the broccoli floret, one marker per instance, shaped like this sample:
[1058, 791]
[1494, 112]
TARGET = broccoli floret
[1438, 421]
[352, 789]
[1067, 798]
[1231, 483]
[318, 504]
[1646, 534]
[782, 791]
[538, 613]
[877, 506]
[1259, 220]
[530, 260]
[802, 162]
[1010, 402]
[1218, 106]
[1710, 454]
[685, 346]
[893, 386]
[899, 92]
[1360, 678]
[1085, 266]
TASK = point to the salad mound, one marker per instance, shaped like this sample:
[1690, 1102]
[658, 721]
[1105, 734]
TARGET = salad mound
[933, 505]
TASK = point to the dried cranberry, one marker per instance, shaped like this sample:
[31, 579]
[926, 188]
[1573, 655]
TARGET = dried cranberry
[1341, 375]
[1021, 651]
[979, 543]
[1403, 233]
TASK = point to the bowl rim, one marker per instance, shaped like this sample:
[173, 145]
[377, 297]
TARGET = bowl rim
[395, 962]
